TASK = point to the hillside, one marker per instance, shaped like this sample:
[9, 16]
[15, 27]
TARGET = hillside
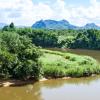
[62, 24]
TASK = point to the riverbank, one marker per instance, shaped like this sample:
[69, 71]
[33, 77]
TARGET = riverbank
[17, 83]
[57, 64]
[13, 82]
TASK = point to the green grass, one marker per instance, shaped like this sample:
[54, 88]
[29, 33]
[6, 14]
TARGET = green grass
[57, 64]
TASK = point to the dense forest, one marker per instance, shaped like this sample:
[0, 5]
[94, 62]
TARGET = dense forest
[86, 39]
[18, 47]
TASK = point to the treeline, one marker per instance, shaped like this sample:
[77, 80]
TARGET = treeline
[86, 39]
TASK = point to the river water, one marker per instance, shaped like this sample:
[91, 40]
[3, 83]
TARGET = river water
[58, 89]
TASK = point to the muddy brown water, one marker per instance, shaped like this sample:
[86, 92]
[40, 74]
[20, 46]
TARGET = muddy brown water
[58, 89]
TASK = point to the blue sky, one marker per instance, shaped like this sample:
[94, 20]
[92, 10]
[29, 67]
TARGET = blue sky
[74, 2]
[26, 12]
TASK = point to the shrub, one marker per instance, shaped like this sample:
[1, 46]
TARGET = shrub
[18, 57]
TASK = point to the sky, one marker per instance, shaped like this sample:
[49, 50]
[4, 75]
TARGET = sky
[27, 12]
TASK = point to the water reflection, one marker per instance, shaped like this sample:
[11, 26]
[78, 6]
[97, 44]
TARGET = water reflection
[72, 81]
[29, 92]
[72, 89]
[56, 89]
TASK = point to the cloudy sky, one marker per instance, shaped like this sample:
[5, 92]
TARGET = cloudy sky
[26, 12]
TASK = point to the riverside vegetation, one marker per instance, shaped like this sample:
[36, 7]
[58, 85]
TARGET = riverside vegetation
[21, 59]
[57, 64]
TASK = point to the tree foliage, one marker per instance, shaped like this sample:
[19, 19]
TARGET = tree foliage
[10, 27]
[88, 39]
[18, 57]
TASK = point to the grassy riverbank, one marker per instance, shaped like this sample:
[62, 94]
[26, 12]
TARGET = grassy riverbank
[57, 64]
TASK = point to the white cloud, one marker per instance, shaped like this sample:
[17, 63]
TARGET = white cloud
[81, 15]
[23, 11]
[26, 12]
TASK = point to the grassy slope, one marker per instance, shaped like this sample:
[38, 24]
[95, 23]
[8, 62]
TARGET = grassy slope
[57, 64]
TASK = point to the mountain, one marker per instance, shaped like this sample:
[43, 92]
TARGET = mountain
[52, 24]
[2, 25]
[91, 26]
[62, 24]
[39, 24]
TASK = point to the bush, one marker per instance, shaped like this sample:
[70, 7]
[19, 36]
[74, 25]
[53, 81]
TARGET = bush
[18, 57]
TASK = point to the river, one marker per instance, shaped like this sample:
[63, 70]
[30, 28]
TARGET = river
[58, 89]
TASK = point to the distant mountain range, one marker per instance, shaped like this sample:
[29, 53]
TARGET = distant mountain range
[53, 24]
[62, 24]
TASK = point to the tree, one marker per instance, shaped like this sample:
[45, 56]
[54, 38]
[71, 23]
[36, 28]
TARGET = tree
[10, 27]
[18, 57]
[5, 28]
